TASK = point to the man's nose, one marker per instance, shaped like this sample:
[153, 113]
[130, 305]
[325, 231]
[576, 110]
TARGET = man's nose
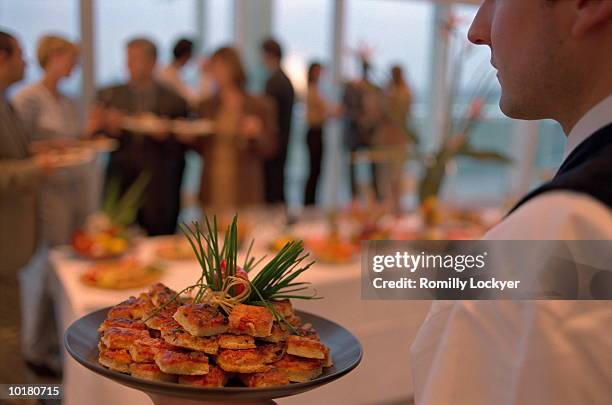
[480, 30]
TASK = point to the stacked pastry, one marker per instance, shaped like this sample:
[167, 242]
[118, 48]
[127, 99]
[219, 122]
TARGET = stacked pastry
[158, 337]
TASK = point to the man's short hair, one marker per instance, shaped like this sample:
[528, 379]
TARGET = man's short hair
[146, 44]
[272, 48]
[183, 47]
[7, 43]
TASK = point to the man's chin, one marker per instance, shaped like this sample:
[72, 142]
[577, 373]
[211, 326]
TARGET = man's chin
[517, 110]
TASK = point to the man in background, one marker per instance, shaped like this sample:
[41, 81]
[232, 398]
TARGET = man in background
[362, 101]
[554, 61]
[20, 176]
[154, 151]
[280, 89]
[170, 75]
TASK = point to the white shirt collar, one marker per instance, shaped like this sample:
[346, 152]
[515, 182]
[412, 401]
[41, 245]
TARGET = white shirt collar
[594, 120]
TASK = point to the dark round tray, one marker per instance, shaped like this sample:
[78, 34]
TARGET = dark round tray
[81, 341]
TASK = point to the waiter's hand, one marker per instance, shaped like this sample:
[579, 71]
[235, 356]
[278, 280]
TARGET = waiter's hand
[251, 127]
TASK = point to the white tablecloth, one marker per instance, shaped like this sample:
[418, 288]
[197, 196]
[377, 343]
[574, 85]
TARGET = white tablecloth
[386, 330]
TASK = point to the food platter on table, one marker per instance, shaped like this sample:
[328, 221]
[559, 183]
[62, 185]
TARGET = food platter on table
[173, 248]
[121, 274]
[231, 334]
[105, 244]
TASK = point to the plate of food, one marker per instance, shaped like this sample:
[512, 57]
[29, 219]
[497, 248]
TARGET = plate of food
[106, 234]
[332, 249]
[174, 248]
[109, 243]
[121, 274]
[230, 336]
[193, 128]
[72, 156]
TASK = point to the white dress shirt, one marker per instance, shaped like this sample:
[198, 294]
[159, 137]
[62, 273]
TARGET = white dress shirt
[170, 76]
[525, 352]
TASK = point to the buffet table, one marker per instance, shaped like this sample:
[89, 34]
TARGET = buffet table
[385, 329]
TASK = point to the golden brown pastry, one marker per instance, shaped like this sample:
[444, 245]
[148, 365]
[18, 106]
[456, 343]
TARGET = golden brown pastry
[271, 352]
[179, 337]
[122, 338]
[278, 334]
[144, 350]
[241, 361]
[298, 369]
[183, 363]
[201, 320]
[251, 320]
[162, 295]
[284, 308]
[150, 371]
[269, 378]
[118, 360]
[125, 323]
[236, 342]
[305, 347]
[216, 377]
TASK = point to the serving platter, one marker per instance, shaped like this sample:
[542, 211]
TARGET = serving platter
[81, 341]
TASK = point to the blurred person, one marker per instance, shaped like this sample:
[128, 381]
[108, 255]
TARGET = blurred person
[170, 75]
[394, 135]
[553, 62]
[280, 89]
[51, 117]
[245, 134]
[157, 152]
[362, 101]
[318, 111]
[20, 176]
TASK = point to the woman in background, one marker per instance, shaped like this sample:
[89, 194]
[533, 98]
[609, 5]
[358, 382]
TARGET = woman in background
[245, 133]
[317, 112]
[51, 118]
[394, 136]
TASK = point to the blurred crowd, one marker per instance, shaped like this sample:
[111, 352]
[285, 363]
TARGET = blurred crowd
[244, 156]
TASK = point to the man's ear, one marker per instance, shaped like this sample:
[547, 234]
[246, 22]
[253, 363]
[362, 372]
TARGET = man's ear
[590, 14]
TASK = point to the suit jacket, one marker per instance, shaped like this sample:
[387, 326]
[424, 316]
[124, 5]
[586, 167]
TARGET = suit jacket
[280, 89]
[249, 156]
[163, 160]
[587, 170]
[18, 189]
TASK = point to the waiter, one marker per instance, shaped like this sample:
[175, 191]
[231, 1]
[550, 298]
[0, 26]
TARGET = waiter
[554, 61]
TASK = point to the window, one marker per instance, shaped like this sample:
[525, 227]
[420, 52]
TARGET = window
[395, 32]
[219, 25]
[31, 19]
[474, 180]
[118, 21]
[303, 27]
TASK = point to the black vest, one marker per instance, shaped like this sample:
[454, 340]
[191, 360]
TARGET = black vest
[587, 170]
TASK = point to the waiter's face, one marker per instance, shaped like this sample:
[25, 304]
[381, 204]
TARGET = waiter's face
[140, 63]
[527, 40]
